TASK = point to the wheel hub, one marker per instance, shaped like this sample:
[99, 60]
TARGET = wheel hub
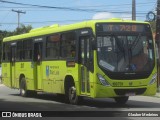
[72, 93]
[23, 91]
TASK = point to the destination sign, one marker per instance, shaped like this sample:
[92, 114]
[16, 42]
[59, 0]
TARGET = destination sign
[122, 27]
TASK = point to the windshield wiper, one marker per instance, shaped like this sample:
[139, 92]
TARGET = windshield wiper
[130, 49]
[134, 44]
[119, 44]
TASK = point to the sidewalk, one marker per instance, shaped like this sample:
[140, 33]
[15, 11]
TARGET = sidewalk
[1, 85]
[157, 95]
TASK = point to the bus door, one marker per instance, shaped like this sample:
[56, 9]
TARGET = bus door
[38, 48]
[12, 64]
[84, 60]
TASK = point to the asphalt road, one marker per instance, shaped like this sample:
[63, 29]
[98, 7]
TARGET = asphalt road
[10, 100]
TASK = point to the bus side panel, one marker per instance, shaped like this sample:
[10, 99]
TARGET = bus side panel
[53, 76]
[17, 65]
[74, 72]
[26, 69]
[15, 79]
[47, 80]
[6, 74]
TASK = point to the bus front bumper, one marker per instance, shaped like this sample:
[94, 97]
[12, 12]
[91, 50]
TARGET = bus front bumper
[104, 91]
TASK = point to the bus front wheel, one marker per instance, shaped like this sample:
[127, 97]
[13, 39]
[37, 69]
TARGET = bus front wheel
[72, 95]
[121, 100]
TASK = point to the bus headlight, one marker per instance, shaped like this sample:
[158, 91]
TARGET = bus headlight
[154, 78]
[102, 80]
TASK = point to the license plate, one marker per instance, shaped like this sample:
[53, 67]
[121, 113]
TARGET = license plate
[130, 94]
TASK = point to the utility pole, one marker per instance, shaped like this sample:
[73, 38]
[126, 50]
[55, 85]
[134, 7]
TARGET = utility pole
[133, 9]
[18, 12]
[157, 38]
[158, 23]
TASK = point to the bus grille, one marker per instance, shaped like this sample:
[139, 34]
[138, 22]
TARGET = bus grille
[123, 92]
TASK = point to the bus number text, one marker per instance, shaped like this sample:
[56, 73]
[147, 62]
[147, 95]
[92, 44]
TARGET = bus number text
[117, 83]
[22, 65]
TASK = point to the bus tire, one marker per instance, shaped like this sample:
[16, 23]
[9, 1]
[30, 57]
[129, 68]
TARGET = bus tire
[121, 100]
[71, 92]
[72, 95]
[23, 88]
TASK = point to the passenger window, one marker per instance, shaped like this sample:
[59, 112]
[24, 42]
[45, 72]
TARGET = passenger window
[52, 46]
[19, 55]
[6, 51]
[27, 49]
[68, 45]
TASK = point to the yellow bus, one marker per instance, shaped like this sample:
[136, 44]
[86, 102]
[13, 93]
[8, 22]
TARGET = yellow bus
[112, 58]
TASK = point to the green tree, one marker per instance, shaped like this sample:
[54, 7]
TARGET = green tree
[22, 29]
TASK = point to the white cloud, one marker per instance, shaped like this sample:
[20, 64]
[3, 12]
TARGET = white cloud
[126, 16]
[103, 15]
[107, 15]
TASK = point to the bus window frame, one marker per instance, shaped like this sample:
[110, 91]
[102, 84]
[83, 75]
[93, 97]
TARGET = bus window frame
[26, 49]
[3, 50]
[43, 46]
[123, 75]
[60, 57]
[19, 59]
[75, 41]
[90, 34]
[23, 50]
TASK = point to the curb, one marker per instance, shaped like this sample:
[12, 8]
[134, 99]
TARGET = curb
[1, 85]
[157, 95]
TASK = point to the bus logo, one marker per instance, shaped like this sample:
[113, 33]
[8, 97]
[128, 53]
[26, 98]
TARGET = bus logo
[47, 70]
[6, 114]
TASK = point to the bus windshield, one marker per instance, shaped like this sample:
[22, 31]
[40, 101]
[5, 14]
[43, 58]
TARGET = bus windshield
[130, 53]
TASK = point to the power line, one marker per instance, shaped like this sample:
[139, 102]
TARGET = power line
[148, 3]
[42, 7]
[64, 8]
[114, 12]
[56, 21]
[5, 17]
[52, 7]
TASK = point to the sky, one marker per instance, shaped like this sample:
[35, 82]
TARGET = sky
[70, 11]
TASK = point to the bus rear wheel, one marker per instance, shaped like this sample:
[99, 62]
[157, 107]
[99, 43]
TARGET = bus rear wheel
[121, 100]
[23, 88]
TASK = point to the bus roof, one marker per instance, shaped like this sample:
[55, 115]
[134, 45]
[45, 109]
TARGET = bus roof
[56, 28]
